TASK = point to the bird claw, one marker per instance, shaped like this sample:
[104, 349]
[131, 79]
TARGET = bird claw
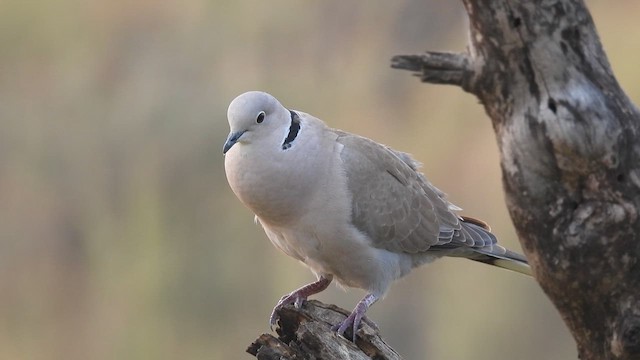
[356, 316]
[352, 321]
[298, 297]
[294, 298]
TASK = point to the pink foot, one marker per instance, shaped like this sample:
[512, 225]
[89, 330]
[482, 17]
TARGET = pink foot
[298, 297]
[353, 320]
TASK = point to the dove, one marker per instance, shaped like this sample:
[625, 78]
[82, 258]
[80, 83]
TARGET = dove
[347, 207]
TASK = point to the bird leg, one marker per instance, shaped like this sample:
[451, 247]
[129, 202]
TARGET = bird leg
[298, 296]
[353, 320]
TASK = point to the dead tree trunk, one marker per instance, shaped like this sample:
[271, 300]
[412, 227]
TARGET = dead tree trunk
[570, 156]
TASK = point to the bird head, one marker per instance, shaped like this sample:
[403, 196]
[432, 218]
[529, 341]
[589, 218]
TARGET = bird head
[255, 115]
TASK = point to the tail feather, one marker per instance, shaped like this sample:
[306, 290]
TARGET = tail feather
[509, 260]
[474, 241]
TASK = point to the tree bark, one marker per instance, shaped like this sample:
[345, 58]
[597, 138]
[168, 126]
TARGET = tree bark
[306, 333]
[568, 140]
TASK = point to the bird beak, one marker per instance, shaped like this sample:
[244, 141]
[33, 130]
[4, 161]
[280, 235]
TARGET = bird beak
[231, 140]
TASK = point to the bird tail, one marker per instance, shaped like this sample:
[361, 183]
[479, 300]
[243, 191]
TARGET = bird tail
[508, 260]
[495, 254]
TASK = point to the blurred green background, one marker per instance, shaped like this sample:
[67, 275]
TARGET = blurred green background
[119, 237]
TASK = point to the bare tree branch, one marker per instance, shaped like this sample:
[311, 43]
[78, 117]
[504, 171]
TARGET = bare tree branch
[437, 67]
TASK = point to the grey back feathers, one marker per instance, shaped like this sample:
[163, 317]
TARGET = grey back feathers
[392, 204]
[398, 208]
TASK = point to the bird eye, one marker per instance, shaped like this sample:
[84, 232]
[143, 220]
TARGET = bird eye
[260, 118]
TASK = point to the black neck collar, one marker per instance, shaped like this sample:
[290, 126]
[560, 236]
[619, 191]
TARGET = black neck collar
[294, 128]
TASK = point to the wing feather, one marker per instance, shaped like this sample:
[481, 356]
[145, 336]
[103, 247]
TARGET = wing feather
[396, 206]
[392, 202]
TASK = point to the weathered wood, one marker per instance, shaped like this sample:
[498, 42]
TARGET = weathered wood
[570, 158]
[437, 67]
[306, 333]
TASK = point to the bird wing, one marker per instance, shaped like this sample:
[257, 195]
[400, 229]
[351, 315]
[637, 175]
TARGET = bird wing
[395, 205]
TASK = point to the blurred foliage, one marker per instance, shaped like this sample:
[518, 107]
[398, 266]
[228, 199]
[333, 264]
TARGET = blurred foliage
[119, 237]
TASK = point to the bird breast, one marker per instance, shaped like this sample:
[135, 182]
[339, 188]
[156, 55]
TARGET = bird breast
[276, 184]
